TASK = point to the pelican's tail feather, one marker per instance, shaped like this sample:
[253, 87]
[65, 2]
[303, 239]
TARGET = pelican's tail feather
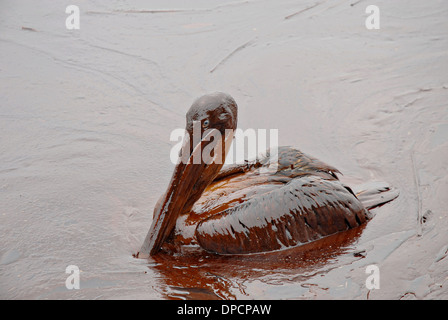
[375, 194]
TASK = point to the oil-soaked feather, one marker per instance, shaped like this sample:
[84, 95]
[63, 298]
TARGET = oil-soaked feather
[303, 210]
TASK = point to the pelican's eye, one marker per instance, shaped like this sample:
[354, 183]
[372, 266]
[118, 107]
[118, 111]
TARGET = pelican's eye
[206, 123]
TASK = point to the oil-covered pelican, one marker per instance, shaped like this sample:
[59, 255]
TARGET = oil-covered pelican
[246, 208]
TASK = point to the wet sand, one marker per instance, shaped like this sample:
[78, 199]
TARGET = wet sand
[86, 117]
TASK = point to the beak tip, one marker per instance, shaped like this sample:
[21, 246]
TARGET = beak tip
[145, 251]
[141, 255]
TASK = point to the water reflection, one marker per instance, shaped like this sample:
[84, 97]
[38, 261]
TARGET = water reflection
[201, 275]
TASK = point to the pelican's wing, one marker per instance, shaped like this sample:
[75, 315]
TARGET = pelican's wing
[303, 210]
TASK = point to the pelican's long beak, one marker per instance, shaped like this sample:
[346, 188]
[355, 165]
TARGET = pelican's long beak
[189, 180]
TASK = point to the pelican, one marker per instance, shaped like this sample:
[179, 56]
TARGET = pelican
[249, 208]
